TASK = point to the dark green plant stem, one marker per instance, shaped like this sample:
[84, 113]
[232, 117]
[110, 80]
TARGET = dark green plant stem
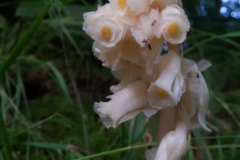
[4, 138]
[22, 42]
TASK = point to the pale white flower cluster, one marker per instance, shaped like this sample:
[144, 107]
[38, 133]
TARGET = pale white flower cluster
[128, 38]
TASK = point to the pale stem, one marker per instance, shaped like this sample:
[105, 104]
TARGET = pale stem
[176, 48]
[168, 117]
[167, 121]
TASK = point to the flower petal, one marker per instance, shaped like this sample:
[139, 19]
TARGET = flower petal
[203, 64]
[168, 88]
[173, 146]
[123, 104]
[204, 95]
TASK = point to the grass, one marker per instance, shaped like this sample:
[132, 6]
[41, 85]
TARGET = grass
[50, 79]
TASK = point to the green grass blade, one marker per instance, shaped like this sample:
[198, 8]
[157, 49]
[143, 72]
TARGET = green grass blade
[56, 146]
[4, 138]
[60, 80]
[22, 42]
[116, 151]
[226, 107]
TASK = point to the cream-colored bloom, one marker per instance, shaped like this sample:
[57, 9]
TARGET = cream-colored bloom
[139, 6]
[143, 31]
[161, 4]
[123, 84]
[119, 6]
[195, 100]
[125, 7]
[173, 146]
[102, 11]
[134, 62]
[107, 55]
[129, 50]
[106, 31]
[173, 25]
[125, 70]
[124, 105]
[104, 26]
[168, 88]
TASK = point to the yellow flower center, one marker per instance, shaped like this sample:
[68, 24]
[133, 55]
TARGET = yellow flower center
[106, 32]
[162, 93]
[122, 3]
[173, 29]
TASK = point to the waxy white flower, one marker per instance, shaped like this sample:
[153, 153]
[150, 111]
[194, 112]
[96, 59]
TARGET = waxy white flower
[195, 99]
[173, 25]
[130, 6]
[123, 84]
[129, 37]
[139, 6]
[173, 146]
[168, 88]
[102, 12]
[125, 70]
[129, 50]
[106, 55]
[106, 31]
[143, 31]
[124, 105]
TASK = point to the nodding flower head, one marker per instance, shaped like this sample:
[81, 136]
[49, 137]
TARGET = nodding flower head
[124, 105]
[129, 36]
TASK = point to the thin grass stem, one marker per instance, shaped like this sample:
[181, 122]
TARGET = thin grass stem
[4, 138]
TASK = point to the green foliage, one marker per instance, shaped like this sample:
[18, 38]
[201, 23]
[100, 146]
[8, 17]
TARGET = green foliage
[50, 80]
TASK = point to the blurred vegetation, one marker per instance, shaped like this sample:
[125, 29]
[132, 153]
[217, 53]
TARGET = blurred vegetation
[47, 94]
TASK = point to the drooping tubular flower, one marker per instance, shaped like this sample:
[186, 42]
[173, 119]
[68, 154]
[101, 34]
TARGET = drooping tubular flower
[173, 146]
[169, 86]
[124, 105]
[128, 39]
[195, 99]
[173, 24]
